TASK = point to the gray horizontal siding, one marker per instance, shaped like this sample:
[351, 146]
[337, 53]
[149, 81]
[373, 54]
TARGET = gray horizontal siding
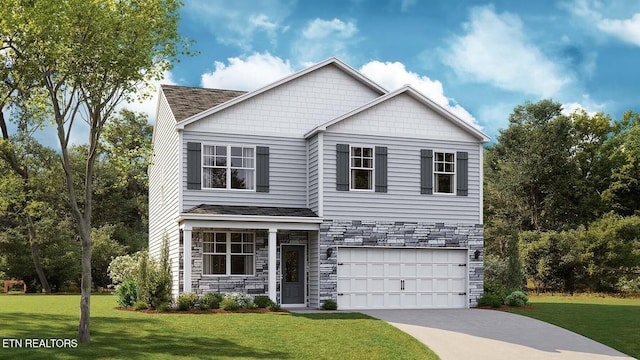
[163, 189]
[287, 169]
[403, 201]
[313, 174]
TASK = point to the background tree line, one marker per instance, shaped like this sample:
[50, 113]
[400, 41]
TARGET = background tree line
[562, 201]
[44, 251]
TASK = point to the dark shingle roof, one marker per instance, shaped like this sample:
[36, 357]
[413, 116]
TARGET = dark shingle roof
[188, 101]
[250, 210]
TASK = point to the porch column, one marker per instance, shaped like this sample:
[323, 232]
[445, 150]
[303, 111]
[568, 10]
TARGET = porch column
[186, 247]
[272, 263]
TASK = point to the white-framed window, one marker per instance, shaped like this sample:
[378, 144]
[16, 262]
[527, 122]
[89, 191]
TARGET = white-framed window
[444, 172]
[228, 167]
[228, 253]
[361, 167]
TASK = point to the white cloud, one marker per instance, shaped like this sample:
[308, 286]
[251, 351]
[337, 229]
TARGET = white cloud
[627, 30]
[494, 49]
[322, 39]
[602, 15]
[394, 75]
[319, 29]
[241, 23]
[249, 74]
[586, 103]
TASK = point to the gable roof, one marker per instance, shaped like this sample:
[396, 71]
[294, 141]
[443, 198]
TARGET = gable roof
[407, 89]
[331, 61]
[187, 101]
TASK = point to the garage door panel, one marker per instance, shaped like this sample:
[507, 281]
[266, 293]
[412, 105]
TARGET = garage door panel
[401, 278]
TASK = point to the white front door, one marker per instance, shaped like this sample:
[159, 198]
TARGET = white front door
[401, 278]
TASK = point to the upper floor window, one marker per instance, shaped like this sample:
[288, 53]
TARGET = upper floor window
[444, 172]
[228, 167]
[361, 167]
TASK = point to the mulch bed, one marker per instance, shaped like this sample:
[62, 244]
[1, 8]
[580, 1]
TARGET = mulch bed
[196, 311]
[505, 307]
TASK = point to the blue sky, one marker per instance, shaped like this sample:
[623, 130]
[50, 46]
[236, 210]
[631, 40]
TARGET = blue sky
[479, 59]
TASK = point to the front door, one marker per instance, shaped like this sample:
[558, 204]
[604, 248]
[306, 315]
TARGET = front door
[293, 274]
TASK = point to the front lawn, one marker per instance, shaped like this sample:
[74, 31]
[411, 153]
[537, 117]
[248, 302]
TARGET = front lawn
[133, 335]
[612, 321]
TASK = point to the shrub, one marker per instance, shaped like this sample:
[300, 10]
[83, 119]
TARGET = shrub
[329, 305]
[236, 301]
[140, 305]
[187, 301]
[124, 268]
[210, 301]
[154, 285]
[127, 293]
[229, 305]
[496, 288]
[491, 300]
[517, 298]
[273, 307]
[164, 307]
[262, 302]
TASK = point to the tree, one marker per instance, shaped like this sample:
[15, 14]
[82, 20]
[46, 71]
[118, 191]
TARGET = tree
[623, 192]
[89, 56]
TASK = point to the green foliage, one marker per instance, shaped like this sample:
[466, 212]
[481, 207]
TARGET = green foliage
[187, 301]
[490, 300]
[596, 258]
[517, 298]
[329, 305]
[127, 293]
[210, 301]
[155, 278]
[229, 305]
[236, 301]
[262, 302]
[495, 288]
[274, 307]
[103, 250]
[140, 305]
[124, 268]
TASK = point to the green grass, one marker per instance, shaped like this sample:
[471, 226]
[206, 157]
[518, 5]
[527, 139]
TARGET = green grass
[132, 335]
[612, 321]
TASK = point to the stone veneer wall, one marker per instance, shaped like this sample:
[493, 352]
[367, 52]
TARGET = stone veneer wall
[256, 284]
[399, 234]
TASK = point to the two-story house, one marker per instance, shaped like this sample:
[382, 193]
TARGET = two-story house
[322, 185]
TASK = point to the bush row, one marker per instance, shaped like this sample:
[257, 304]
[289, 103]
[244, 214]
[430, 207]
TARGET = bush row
[229, 302]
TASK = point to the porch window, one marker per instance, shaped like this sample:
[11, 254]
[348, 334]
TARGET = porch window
[228, 253]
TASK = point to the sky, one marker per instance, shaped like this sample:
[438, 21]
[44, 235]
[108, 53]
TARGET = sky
[478, 59]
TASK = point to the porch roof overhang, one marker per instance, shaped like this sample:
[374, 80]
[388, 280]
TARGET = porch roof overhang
[249, 217]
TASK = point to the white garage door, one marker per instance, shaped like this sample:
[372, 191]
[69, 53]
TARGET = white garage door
[383, 278]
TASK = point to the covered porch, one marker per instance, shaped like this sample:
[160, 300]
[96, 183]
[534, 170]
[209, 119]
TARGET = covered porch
[255, 250]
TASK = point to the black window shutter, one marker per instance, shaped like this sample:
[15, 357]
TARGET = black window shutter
[342, 167]
[462, 163]
[426, 171]
[381, 169]
[194, 168]
[262, 169]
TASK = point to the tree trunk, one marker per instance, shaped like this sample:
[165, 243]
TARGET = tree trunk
[84, 335]
[35, 256]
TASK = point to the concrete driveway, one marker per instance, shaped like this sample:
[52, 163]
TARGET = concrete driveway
[488, 334]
